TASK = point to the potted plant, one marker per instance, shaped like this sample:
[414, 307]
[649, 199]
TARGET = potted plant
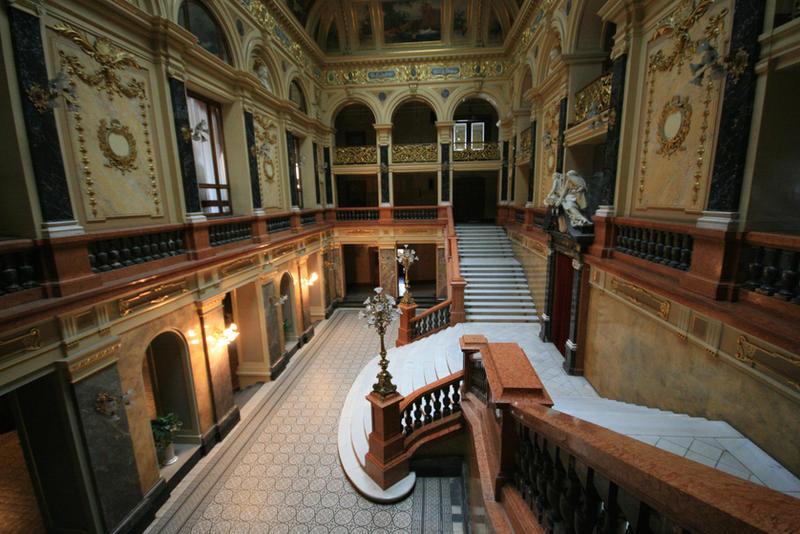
[163, 427]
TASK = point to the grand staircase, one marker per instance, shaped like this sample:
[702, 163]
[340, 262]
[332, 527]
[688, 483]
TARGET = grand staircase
[497, 290]
[413, 366]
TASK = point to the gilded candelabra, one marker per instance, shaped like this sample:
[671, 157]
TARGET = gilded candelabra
[406, 257]
[380, 311]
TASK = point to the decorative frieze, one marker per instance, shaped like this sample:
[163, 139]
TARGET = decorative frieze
[641, 298]
[156, 295]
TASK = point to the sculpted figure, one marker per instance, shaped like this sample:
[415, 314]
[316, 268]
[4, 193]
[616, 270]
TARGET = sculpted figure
[573, 198]
[553, 198]
[263, 75]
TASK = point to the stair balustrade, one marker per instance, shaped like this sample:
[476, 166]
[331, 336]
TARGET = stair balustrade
[771, 266]
[672, 249]
[124, 251]
[21, 267]
[541, 470]
[229, 232]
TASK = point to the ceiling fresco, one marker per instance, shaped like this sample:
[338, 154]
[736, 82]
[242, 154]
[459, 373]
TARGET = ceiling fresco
[369, 26]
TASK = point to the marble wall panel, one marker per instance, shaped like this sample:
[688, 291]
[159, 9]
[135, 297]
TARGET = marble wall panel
[132, 353]
[269, 162]
[108, 443]
[679, 119]
[534, 265]
[652, 366]
[273, 323]
[110, 131]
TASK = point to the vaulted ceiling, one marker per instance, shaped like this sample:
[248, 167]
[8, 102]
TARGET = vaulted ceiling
[343, 27]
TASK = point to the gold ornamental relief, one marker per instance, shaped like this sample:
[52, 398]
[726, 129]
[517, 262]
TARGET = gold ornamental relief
[118, 145]
[673, 126]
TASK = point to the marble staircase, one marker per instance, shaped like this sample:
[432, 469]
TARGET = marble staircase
[497, 290]
[713, 443]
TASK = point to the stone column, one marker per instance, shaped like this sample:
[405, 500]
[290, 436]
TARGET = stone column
[58, 219]
[737, 111]
[562, 126]
[305, 299]
[445, 134]
[180, 112]
[610, 164]
[532, 169]
[384, 138]
[326, 157]
[252, 158]
[387, 259]
[212, 321]
[572, 365]
[545, 332]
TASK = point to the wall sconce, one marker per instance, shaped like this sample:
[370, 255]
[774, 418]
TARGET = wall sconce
[734, 63]
[44, 98]
[198, 133]
[223, 337]
[310, 282]
[193, 339]
[108, 404]
[278, 301]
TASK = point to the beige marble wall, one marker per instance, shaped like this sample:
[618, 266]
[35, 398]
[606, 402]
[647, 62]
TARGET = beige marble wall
[652, 366]
[388, 270]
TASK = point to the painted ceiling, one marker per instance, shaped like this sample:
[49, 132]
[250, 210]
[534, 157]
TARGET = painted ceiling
[369, 26]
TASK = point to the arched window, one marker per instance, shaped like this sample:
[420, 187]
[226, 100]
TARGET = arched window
[296, 95]
[196, 18]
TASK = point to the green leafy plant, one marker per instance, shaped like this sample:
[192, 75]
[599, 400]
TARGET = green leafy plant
[163, 427]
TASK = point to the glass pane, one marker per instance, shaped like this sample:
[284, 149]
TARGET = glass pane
[223, 194]
[460, 136]
[210, 209]
[477, 136]
[198, 122]
[208, 193]
[204, 28]
[219, 145]
[226, 208]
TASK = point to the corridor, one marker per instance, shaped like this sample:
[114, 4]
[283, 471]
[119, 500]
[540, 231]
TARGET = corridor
[278, 470]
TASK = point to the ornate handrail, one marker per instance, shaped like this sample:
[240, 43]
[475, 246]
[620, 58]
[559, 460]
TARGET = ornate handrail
[278, 224]
[355, 155]
[116, 253]
[415, 214]
[488, 151]
[577, 476]
[594, 97]
[771, 265]
[415, 153]
[357, 214]
[431, 320]
[21, 266]
[229, 232]
[673, 249]
[433, 402]
[308, 218]
[519, 215]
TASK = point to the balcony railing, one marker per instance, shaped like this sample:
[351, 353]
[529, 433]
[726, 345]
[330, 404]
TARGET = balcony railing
[488, 151]
[593, 99]
[308, 218]
[116, 253]
[278, 224]
[357, 214]
[355, 155]
[415, 214]
[222, 234]
[772, 264]
[415, 153]
[430, 321]
[21, 267]
[672, 249]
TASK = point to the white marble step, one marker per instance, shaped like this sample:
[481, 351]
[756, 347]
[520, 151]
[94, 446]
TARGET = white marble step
[506, 313]
[469, 291]
[501, 318]
[492, 307]
[523, 297]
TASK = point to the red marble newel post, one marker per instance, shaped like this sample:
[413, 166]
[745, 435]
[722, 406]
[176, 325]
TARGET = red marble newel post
[404, 331]
[386, 460]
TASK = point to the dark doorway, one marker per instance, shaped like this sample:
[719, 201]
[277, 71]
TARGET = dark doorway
[19, 510]
[360, 270]
[233, 348]
[475, 197]
[168, 382]
[561, 301]
[356, 190]
[414, 188]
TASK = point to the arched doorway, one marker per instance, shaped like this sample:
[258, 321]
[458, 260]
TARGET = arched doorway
[475, 138]
[288, 310]
[168, 383]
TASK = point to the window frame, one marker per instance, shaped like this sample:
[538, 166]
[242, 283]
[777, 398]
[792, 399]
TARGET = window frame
[222, 44]
[214, 107]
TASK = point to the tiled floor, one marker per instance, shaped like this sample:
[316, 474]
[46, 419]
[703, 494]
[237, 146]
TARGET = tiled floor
[19, 511]
[278, 471]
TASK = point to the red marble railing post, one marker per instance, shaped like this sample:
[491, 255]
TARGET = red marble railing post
[386, 461]
[386, 214]
[294, 221]
[404, 331]
[457, 313]
[259, 229]
[198, 242]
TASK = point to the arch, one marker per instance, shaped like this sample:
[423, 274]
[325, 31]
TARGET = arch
[262, 66]
[525, 83]
[343, 100]
[585, 27]
[223, 25]
[298, 94]
[410, 125]
[168, 382]
[288, 311]
[354, 124]
[465, 93]
[550, 44]
[400, 97]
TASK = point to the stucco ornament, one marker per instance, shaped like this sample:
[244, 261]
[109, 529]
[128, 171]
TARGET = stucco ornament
[569, 192]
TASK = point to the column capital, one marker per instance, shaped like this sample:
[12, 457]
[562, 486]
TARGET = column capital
[384, 133]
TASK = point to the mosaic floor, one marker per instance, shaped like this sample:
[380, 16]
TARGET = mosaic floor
[278, 471]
